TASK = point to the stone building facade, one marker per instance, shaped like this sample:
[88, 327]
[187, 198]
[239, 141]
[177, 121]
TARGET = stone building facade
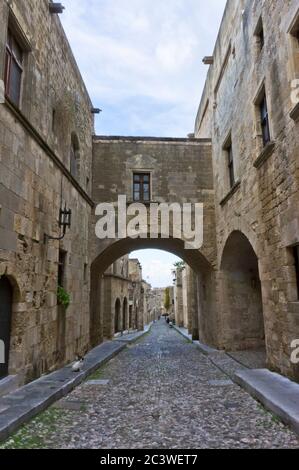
[242, 164]
[46, 128]
[186, 310]
[157, 301]
[249, 109]
[172, 171]
[115, 298]
[141, 298]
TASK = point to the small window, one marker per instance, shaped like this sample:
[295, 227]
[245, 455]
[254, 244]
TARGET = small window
[228, 148]
[294, 43]
[294, 29]
[13, 68]
[141, 188]
[231, 169]
[259, 34]
[74, 156]
[61, 267]
[85, 271]
[296, 257]
[265, 120]
[53, 121]
[296, 35]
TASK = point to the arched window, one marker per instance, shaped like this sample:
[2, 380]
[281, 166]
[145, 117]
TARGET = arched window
[75, 156]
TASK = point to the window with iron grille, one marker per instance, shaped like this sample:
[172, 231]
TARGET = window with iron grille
[13, 68]
[265, 120]
[141, 190]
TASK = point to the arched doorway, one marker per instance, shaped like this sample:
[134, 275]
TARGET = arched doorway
[125, 315]
[6, 299]
[242, 307]
[130, 316]
[117, 317]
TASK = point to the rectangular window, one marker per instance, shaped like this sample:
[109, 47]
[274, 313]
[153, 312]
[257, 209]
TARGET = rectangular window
[141, 190]
[231, 169]
[296, 257]
[265, 120]
[228, 150]
[259, 34]
[61, 267]
[294, 29]
[85, 271]
[13, 68]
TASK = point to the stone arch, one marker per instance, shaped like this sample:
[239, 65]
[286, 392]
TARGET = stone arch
[242, 306]
[241, 226]
[117, 316]
[111, 250]
[75, 156]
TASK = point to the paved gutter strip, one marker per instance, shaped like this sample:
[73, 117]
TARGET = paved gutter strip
[277, 393]
[206, 350]
[132, 338]
[19, 407]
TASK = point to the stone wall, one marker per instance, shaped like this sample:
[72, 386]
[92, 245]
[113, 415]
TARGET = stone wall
[263, 204]
[181, 172]
[115, 294]
[35, 182]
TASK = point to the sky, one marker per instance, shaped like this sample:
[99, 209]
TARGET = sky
[141, 61]
[157, 266]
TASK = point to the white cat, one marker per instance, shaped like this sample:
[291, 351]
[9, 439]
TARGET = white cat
[77, 366]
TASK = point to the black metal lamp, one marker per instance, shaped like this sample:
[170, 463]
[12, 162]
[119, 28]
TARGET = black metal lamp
[56, 8]
[96, 110]
[65, 221]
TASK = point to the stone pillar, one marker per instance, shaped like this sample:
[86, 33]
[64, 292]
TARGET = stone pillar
[178, 299]
[193, 302]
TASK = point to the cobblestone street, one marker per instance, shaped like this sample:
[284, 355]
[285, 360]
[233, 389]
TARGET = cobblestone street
[158, 393]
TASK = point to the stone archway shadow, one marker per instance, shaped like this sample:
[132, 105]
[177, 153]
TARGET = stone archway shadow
[241, 293]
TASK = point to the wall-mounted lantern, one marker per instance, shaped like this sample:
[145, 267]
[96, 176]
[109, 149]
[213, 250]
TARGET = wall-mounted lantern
[65, 221]
[56, 8]
[96, 111]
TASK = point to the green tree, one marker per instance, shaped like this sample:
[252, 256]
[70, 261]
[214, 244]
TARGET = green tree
[167, 299]
[179, 264]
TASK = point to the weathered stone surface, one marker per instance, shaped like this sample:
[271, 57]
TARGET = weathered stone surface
[265, 205]
[20, 406]
[35, 181]
[159, 396]
[277, 393]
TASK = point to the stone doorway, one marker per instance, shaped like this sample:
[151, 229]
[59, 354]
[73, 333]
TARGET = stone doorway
[6, 300]
[125, 315]
[117, 317]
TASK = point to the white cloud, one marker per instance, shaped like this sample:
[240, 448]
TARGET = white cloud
[141, 60]
[157, 266]
[139, 55]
